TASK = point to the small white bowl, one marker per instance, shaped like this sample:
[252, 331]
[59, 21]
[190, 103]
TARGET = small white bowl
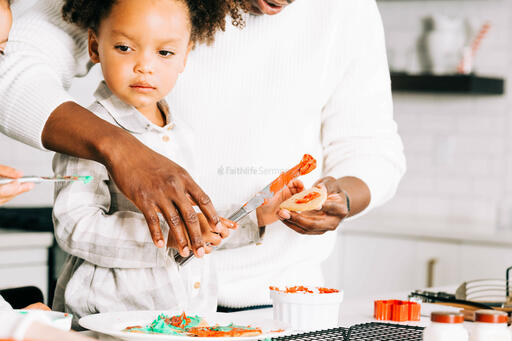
[53, 318]
[307, 311]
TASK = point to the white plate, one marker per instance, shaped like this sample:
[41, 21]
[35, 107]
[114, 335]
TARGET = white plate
[113, 324]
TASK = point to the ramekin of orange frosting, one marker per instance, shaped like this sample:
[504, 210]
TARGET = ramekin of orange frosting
[307, 308]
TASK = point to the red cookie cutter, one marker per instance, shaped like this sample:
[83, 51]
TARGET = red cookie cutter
[396, 310]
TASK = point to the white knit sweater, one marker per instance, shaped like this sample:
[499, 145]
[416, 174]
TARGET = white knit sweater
[312, 79]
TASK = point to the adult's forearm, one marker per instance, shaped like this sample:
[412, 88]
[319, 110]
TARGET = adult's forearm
[71, 129]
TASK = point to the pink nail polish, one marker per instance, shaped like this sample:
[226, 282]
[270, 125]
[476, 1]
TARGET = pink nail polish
[186, 252]
[160, 244]
[200, 252]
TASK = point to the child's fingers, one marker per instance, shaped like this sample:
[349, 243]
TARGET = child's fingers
[213, 239]
[295, 186]
[228, 223]
[9, 172]
[208, 232]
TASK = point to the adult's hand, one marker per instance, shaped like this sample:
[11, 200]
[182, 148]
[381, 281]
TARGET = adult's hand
[152, 182]
[335, 208]
[12, 189]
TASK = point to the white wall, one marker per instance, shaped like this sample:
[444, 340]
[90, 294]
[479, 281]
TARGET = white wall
[457, 146]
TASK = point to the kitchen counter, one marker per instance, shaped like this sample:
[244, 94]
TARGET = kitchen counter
[353, 311]
[429, 229]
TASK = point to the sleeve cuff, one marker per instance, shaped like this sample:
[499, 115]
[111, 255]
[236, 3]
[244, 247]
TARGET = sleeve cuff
[247, 233]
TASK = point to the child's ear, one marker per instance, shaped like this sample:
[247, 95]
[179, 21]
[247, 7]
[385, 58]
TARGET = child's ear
[190, 47]
[93, 47]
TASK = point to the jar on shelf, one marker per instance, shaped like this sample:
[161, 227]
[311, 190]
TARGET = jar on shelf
[446, 326]
[490, 325]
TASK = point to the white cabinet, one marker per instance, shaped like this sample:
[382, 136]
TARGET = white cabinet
[24, 259]
[481, 262]
[376, 264]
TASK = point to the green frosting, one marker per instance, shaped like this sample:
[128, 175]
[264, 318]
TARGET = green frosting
[159, 326]
[85, 179]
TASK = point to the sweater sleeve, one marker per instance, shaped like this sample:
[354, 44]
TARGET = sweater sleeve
[359, 135]
[43, 55]
[89, 227]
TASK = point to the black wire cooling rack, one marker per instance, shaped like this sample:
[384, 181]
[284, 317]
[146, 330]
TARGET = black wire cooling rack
[374, 331]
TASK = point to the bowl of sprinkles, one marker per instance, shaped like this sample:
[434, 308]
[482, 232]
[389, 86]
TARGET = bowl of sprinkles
[307, 308]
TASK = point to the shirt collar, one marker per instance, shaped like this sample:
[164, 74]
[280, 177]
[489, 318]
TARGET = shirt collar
[125, 115]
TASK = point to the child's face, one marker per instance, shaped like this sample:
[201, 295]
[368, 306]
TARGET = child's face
[142, 47]
[5, 24]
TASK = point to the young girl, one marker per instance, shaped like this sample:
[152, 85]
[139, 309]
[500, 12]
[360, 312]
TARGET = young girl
[142, 46]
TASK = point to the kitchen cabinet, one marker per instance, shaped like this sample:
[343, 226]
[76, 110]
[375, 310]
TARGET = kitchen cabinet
[378, 261]
[24, 259]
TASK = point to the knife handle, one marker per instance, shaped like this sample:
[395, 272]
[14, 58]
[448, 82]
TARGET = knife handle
[34, 179]
[236, 217]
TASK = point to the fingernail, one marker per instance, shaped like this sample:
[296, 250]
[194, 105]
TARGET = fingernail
[218, 227]
[285, 214]
[334, 196]
[200, 252]
[160, 244]
[186, 252]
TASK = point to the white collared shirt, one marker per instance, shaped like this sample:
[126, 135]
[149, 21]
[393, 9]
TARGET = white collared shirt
[113, 264]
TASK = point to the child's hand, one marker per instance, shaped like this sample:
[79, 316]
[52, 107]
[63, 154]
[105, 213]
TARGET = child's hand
[268, 213]
[9, 191]
[210, 238]
[37, 306]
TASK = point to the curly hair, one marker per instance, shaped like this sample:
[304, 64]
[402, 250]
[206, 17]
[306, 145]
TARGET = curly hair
[206, 16]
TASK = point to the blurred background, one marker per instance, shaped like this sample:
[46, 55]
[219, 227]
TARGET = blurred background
[451, 219]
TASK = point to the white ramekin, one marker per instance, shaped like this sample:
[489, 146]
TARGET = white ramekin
[307, 311]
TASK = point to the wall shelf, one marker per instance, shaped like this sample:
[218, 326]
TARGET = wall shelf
[454, 84]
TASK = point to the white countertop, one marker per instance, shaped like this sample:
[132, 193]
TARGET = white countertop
[352, 312]
[10, 239]
[429, 228]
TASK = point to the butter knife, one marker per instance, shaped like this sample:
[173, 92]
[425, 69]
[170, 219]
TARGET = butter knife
[41, 179]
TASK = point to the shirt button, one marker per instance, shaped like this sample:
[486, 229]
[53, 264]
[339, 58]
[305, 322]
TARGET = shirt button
[165, 138]
[197, 285]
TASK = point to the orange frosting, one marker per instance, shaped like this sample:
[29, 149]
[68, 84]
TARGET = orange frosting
[307, 164]
[307, 198]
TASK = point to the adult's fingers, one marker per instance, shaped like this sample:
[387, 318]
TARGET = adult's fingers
[177, 228]
[300, 229]
[9, 172]
[336, 206]
[12, 189]
[307, 222]
[151, 216]
[205, 205]
[330, 184]
[191, 220]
